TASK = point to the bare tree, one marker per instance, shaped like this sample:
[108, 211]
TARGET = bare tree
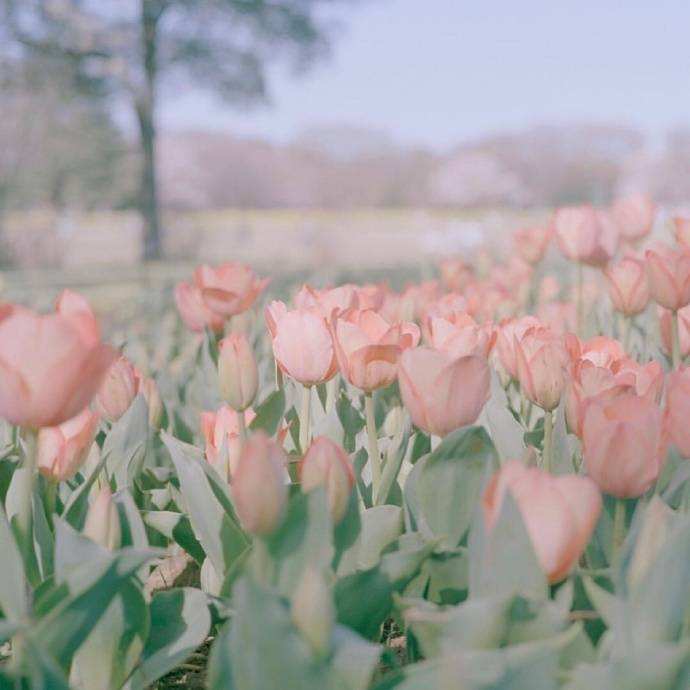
[130, 48]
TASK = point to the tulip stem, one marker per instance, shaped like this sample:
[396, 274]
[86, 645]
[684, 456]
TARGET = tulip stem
[618, 526]
[374, 457]
[547, 452]
[241, 427]
[675, 340]
[627, 328]
[51, 499]
[279, 377]
[24, 514]
[331, 393]
[304, 419]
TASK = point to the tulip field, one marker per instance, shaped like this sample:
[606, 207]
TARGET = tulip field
[480, 481]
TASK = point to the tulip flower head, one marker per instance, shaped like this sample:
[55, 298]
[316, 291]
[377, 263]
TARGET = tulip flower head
[668, 272]
[628, 287]
[634, 216]
[586, 235]
[559, 513]
[237, 371]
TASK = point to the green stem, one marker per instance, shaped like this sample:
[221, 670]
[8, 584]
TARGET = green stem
[618, 526]
[51, 499]
[547, 453]
[331, 393]
[374, 457]
[627, 328]
[279, 378]
[24, 514]
[304, 419]
[675, 340]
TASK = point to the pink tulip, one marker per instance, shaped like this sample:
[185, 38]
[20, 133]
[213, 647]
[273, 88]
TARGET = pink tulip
[509, 331]
[221, 429]
[668, 271]
[302, 343]
[230, 288]
[118, 390]
[237, 371]
[628, 288]
[456, 274]
[193, 310]
[678, 410]
[559, 513]
[326, 301]
[50, 367]
[599, 350]
[681, 229]
[259, 488]
[624, 444]
[586, 235]
[103, 522]
[62, 449]
[77, 309]
[634, 216]
[665, 328]
[541, 360]
[459, 335]
[532, 242]
[440, 392]
[647, 379]
[327, 464]
[367, 347]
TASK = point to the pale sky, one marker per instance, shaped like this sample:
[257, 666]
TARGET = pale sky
[437, 72]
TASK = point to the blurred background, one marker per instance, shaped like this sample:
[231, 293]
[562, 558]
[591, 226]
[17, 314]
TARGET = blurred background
[295, 134]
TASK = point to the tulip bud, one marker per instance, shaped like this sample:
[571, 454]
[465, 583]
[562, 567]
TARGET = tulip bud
[586, 235]
[237, 371]
[668, 271]
[442, 393]
[634, 216]
[623, 444]
[62, 449]
[559, 513]
[541, 360]
[102, 521]
[118, 390]
[312, 610]
[628, 287]
[259, 486]
[149, 389]
[327, 464]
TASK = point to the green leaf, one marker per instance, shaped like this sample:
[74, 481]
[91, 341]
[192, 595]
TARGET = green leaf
[269, 413]
[351, 419]
[222, 538]
[444, 487]
[177, 527]
[503, 562]
[125, 444]
[180, 623]
[13, 595]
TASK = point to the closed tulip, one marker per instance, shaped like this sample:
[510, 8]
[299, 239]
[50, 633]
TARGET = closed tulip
[647, 379]
[532, 242]
[678, 410]
[559, 513]
[665, 327]
[326, 301]
[102, 521]
[193, 310]
[509, 331]
[586, 235]
[228, 289]
[327, 464]
[237, 371]
[118, 390]
[541, 361]
[634, 216]
[63, 449]
[681, 229]
[624, 444]
[50, 367]
[440, 392]
[149, 389]
[368, 347]
[668, 272]
[628, 288]
[221, 431]
[259, 488]
[302, 343]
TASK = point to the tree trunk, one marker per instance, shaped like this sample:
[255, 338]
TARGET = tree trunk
[145, 107]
